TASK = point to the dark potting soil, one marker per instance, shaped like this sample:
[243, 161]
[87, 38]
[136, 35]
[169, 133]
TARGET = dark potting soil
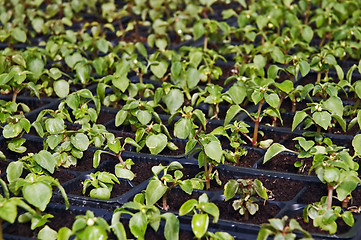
[248, 160]
[285, 163]
[85, 163]
[266, 211]
[63, 175]
[3, 166]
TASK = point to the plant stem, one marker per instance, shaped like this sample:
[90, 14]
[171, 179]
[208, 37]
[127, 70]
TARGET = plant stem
[205, 42]
[121, 160]
[208, 181]
[256, 123]
[329, 196]
[318, 80]
[15, 94]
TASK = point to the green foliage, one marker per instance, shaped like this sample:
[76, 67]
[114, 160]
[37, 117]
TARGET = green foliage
[158, 187]
[282, 229]
[200, 210]
[325, 217]
[248, 190]
[144, 213]
[101, 184]
[86, 226]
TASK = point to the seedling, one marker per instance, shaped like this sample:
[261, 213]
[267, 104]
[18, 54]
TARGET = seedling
[282, 229]
[144, 213]
[159, 187]
[247, 190]
[101, 184]
[200, 210]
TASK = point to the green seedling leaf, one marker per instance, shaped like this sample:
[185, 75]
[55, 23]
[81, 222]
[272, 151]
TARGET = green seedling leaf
[173, 100]
[230, 189]
[213, 150]
[274, 150]
[61, 88]
[171, 228]
[46, 160]
[37, 194]
[304, 68]
[188, 207]
[322, 119]
[356, 143]
[307, 33]
[200, 224]
[238, 93]
[14, 170]
[159, 68]
[298, 118]
[100, 193]
[55, 125]
[193, 77]
[143, 116]
[120, 117]
[348, 218]
[183, 128]
[155, 190]
[80, 141]
[138, 225]
[12, 130]
[156, 142]
[18, 34]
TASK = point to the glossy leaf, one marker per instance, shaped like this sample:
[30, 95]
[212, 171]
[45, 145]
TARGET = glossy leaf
[200, 224]
[46, 160]
[156, 142]
[155, 190]
[38, 194]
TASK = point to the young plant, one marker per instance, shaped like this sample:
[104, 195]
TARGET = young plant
[260, 93]
[159, 187]
[144, 213]
[325, 217]
[210, 154]
[200, 210]
[37, 190]
[333, 165]
[247, 190]
[123, 168]
[186, 126]
[16, 125]
[213, 96]
[282, 229]
[9, 206]
[86, 226]
[101, 184]
[138, 114]
[234, 133]
[321, 115]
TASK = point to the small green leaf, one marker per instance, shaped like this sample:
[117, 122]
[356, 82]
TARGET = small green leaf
[138, 225]
[274, 150]
[155, 190]
[80, 141]
[61, 88]
[230, 189]
[46, 160]
[214, 150]
[18, 34]
[38, 194]
[322, 119]
[298, 118]
[200, 224]
[156, 142]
